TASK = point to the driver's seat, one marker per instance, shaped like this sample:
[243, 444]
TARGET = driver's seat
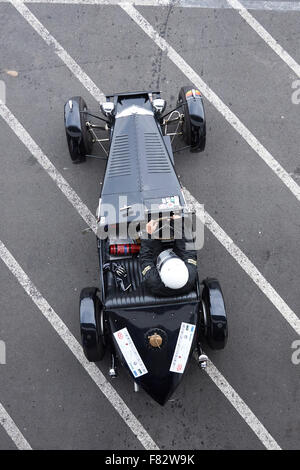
[137, 295]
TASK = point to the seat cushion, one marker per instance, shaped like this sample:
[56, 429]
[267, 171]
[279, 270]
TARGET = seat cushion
[137, 295]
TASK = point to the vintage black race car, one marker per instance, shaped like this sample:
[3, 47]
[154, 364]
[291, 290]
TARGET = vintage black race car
[153, 336]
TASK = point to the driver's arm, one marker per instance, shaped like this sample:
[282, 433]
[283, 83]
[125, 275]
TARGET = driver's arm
[150, 248]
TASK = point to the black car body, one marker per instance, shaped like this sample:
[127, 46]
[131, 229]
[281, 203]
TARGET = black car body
[152, 336]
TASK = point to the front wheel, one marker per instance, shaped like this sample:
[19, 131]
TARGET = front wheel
[194, 122]
[79, 138]
[74, 149]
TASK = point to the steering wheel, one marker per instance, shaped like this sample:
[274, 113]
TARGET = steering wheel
[169, 224]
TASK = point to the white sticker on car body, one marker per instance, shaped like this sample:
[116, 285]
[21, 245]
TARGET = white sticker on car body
[183, 347]
[130, 353]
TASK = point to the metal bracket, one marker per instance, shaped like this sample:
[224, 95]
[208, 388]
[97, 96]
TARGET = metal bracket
[202, 360]
[170, 120]
[91, 128]
[112, 371]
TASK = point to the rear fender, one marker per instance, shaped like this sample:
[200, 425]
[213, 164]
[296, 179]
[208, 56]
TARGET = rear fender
[217, 327]
[90, 311]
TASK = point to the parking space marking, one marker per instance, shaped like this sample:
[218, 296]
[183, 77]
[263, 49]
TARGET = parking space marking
[71, 342]
[222, 379]
[214, 99]
[44, 161]
[263, 33]
[219, 233]
[210, 95]
[59, 50]
[241, 407]
[210, 223]
[207, 4]
[110, 393]
[12, 430]
[246, 264]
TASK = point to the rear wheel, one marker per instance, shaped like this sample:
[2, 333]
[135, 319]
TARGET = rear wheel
[92, 325]
[213, 320]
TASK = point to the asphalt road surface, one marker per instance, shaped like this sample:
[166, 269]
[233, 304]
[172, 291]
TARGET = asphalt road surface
[53, 402]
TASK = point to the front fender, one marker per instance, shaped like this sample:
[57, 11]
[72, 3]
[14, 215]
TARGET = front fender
[197, 118]
[72, 118]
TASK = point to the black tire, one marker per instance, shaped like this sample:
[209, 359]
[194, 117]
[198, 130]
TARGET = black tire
[92, 325]
[186, 125]
[87, 140]
[74, 149]
[79, 148]
[213, 318]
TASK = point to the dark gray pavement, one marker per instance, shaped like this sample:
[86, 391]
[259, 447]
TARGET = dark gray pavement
[51, 398]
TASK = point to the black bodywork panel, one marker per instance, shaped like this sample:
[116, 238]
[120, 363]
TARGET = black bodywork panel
[166, 320]
[140, 181]
[72, 118]
[217, 318]
[139, 167]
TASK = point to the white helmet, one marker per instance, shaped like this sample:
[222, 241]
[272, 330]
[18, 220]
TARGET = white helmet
[172, 270]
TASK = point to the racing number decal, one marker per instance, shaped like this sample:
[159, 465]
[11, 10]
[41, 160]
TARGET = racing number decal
[183, 346]
[130, 353]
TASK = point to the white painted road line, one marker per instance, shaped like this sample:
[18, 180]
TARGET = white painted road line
[241, 407]
[44, 161]
[246, 264]
[71, 342]
[59, 50]
[238, 255]
[265, 155]
[12, 430]
[210, 223]
[48, 312]
[263, 33]
[211, 96]
[221, 382]
[209, 4]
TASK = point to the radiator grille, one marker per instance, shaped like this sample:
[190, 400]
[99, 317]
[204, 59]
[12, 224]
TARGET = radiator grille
[119, 164]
